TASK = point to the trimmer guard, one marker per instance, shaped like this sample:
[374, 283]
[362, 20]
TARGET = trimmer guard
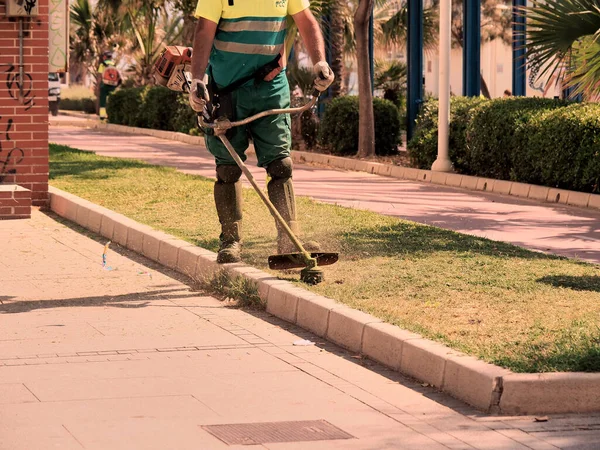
[298, 261]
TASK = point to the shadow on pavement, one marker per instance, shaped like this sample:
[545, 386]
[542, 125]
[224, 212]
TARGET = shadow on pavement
[106, 300]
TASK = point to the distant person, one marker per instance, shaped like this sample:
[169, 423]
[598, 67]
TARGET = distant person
[109, 78]
[507, 93]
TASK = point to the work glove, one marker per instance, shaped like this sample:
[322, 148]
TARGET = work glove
[324, 76]
[198, 95]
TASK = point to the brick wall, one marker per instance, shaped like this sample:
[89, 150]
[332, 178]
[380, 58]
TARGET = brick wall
[24, 122]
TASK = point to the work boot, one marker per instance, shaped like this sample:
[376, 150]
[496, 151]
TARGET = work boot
[228, 201]
[281, 194]
[230, 250]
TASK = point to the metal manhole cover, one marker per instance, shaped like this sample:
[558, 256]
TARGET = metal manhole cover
[263, 433]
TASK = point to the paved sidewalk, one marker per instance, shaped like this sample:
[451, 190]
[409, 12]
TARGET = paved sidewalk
[135, 358]
[564, 230]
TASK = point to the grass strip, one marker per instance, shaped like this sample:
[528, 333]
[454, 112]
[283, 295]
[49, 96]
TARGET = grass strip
[520, 309]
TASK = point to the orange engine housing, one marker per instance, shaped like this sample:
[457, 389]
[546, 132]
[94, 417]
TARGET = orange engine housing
[171, 58]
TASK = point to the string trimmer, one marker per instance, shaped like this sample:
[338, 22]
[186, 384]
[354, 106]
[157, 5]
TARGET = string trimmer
[177, 78]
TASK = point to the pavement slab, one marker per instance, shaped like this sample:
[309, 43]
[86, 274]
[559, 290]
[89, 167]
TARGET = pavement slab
[139, 358]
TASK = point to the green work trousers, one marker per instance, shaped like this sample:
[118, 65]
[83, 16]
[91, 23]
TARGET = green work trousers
[105, 91]
[271, 135]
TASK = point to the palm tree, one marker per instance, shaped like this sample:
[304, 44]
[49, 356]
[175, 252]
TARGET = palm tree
[391, 77]
[366, 122]
[93, 30]
[337, 44]
[187, 9]
[153, 28]
[148, 26]
[562, 43]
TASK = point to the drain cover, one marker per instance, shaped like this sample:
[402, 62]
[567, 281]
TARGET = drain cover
[262, 433]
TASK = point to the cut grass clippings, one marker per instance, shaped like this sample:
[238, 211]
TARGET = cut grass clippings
[523, 310]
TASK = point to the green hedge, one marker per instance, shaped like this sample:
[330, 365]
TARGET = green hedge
[339, 127]
[562, 149]
[531, 140]
[86, 105]
[153, 107]
[497, 131]
[423, 146]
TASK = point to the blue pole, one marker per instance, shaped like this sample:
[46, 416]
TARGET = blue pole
[371, 50]
[415, 63]
[519, 65]
[472, 48]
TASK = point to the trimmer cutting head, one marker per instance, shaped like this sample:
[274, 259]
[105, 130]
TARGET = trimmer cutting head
[298, 260]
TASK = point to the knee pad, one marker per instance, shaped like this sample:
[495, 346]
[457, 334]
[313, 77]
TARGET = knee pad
[228, 174]
[280, 169]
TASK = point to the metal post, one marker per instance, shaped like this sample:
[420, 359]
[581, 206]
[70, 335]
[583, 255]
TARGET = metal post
[415, 63]
[371, 49]
[519, 66]
[472, 48]
[443, 163]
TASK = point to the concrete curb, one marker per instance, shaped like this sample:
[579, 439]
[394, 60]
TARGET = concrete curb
[487, 387]
[515, 189]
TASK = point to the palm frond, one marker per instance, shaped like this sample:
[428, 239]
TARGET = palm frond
[556, 39]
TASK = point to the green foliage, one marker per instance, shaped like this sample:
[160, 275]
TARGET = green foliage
[158, 108]
[124, 106]
[423, 145]
[86, 105]
[497, 131]
[153, 107]
[530, 140]
[562, 42]
[562, 149]
[185, 119]
[339, 127]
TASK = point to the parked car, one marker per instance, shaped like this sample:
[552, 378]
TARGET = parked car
[53, 92]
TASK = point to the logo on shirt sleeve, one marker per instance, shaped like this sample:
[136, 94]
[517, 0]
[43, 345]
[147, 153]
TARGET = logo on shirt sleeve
[281, 3]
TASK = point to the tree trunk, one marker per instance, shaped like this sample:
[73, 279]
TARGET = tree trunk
[337, 38]
[366, 121]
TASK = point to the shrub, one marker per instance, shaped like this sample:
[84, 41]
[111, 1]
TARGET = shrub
[158, 108]
[123, 106]
[423, 145]
[86, 105]
[153, 107]
[531, 140]
[185, 119]
[497, 131]
[339, 127]
[562, 149]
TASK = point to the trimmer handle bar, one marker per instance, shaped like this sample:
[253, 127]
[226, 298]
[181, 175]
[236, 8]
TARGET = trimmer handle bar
[221, 125]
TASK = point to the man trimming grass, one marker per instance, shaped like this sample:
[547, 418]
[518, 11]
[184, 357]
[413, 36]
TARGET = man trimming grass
[524, 310]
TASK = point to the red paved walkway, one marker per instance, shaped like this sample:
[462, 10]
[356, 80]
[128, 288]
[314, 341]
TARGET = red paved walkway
[563, 230]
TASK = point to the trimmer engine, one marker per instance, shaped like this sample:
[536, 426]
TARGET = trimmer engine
[173, 68]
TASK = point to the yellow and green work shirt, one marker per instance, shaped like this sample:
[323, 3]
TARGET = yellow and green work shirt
[250, 34]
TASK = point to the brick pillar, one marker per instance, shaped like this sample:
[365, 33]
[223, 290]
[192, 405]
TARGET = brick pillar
[24, 119]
